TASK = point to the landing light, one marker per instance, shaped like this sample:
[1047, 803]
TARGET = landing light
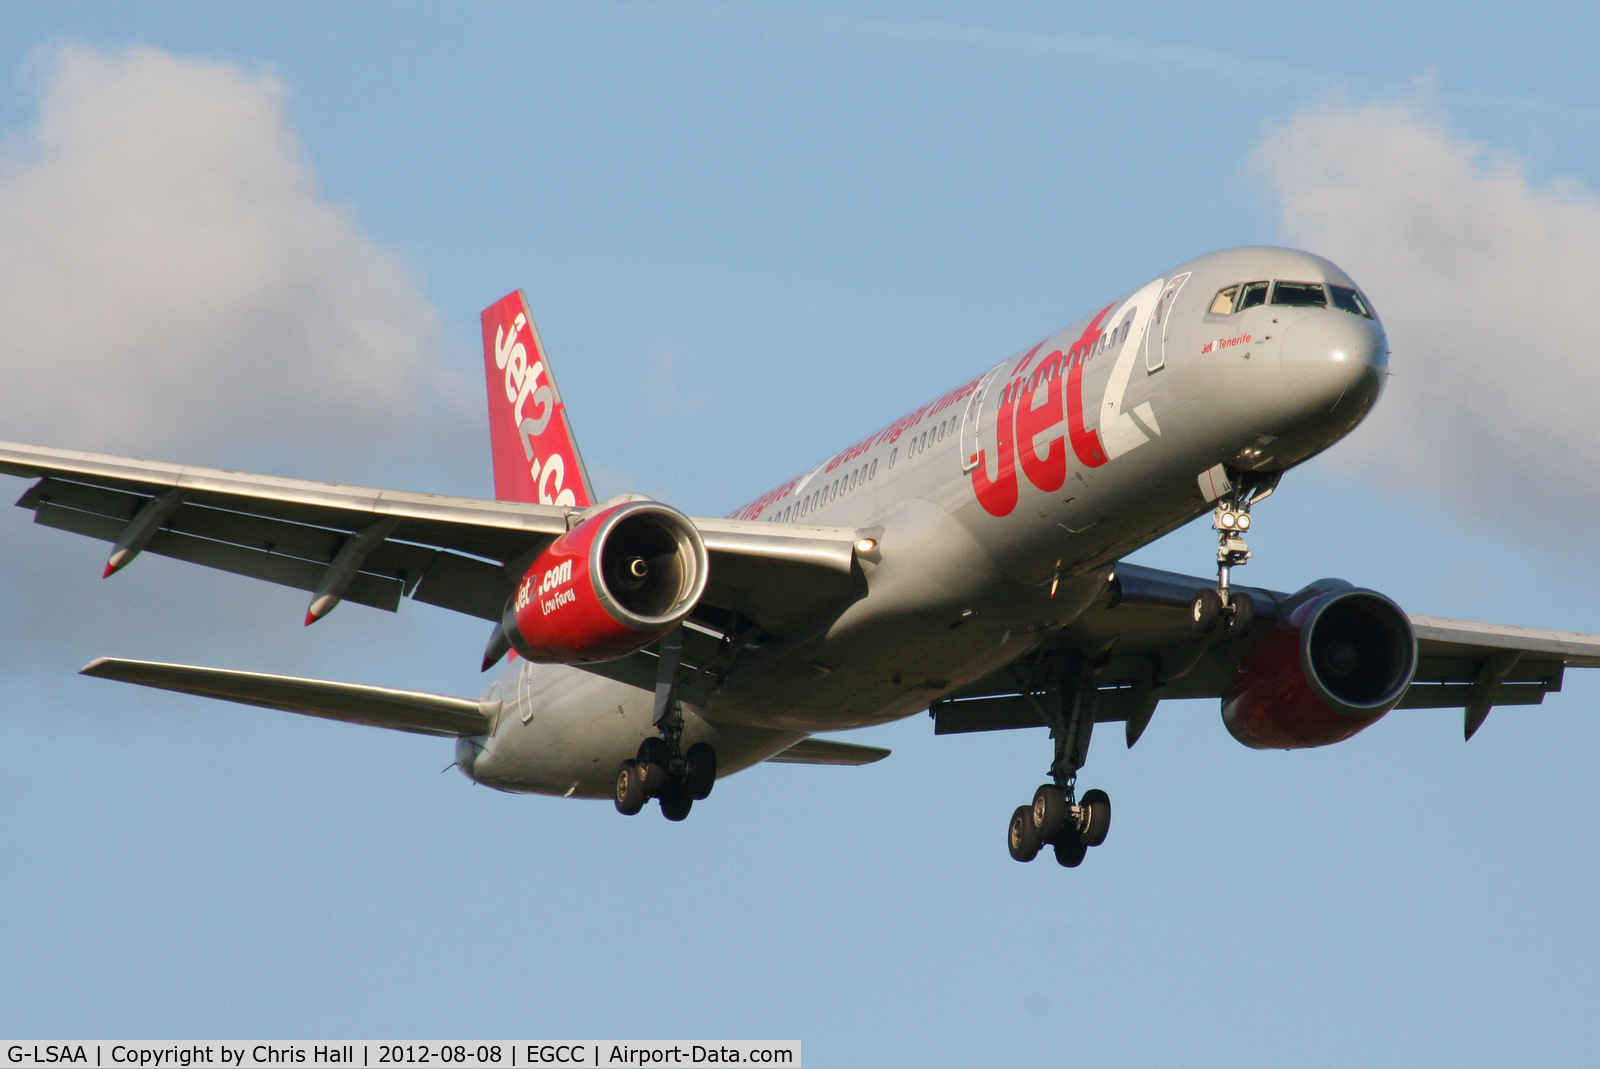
[1228, 520]
[866, 545]
[1244, 521]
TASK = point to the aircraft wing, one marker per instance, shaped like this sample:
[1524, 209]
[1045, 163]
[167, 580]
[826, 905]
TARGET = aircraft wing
[1138, 636]
[376, 546]
[384, 707]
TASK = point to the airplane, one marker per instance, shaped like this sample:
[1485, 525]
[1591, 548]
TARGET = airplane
[966, 560]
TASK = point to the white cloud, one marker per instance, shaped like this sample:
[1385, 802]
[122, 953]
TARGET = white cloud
[173, 283]
[1486, 282]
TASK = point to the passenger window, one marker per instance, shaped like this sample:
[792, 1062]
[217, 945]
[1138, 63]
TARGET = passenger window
[1300, 294]
[1349, 300]
[1222, 303]
[1252, 294]
[874, 469]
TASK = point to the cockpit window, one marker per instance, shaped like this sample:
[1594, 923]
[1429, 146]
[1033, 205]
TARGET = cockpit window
[1222, 303]
[1300, 294]
[1350, 301]
[1252, 294]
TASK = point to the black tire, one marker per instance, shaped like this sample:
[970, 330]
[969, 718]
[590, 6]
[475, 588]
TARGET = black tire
[700, 771]
[1241, 615]
[1070, 852]
[630, 793]
[1022, 838]
[655, 751]
[653, 760]
[675, 805]
[1049, 812]
[1205, 611]
[1098, 803]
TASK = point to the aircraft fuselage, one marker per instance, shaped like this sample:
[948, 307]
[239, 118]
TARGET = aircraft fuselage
[998, 512]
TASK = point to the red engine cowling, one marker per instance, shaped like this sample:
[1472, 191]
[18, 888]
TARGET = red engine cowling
[1333, 666]
[617, 581]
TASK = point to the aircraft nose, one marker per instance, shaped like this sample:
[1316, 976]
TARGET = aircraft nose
[1325, 356]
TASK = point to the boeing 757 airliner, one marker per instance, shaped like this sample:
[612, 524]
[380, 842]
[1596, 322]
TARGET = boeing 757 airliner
[964, 560]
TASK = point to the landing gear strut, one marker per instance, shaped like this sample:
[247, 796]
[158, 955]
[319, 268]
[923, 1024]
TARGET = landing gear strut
[1234, 610]
[662, 769]
[1057, 817]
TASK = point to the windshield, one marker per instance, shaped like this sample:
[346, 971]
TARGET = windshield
[1252, 294]
[1299, 294]
[1350, 301]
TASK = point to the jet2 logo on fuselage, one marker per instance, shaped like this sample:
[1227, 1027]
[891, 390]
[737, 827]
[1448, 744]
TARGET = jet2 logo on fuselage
[1032, 404]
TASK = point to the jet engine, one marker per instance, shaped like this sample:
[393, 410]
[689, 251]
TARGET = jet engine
[620, 579]
[1331, 667]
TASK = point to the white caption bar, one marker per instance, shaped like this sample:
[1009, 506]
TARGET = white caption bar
[497, 1054]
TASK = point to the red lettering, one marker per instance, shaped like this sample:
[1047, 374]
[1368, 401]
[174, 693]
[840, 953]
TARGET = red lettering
[1050, 471]
[999, 495]
[1086, 443]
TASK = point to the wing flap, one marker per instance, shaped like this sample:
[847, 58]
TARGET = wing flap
[828, 752]
[385, 707]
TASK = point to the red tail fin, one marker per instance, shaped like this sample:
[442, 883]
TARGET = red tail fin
[535, 457]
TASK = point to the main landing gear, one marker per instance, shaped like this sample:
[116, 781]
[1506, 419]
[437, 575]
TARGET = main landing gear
[679, 782]
[662, 769]
[1233, 611]
[1057, 817]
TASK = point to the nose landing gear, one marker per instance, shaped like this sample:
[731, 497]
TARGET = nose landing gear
[1233, 610]
[1058, 818]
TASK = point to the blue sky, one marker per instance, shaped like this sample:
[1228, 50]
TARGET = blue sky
[750, 234]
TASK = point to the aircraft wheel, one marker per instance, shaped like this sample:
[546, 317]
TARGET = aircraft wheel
[1070, 851]
[675, 805]
[1098, 803]
[1049, 812]
[630, 793]
[1243, 614]
[655, 751]
[653, 761]
[700, 771]
[1022, 838]
[1205, 611]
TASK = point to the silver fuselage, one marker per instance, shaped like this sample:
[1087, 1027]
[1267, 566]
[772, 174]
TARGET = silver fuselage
[968, 575]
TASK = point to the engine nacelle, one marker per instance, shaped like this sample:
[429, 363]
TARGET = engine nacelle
[619, 580]
[1333, 666]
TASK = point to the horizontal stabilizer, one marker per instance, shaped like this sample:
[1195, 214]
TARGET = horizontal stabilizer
[383, 707]
[827, 752]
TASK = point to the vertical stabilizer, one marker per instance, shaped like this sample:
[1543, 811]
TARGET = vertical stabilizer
[536, 459]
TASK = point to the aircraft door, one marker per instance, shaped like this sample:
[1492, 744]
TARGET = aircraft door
[525, 691]
[971, 420]
[1155, 338]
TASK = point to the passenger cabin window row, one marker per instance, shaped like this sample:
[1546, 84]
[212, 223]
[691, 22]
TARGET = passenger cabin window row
[826, 493]
[830, 492]
[1237, 298]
